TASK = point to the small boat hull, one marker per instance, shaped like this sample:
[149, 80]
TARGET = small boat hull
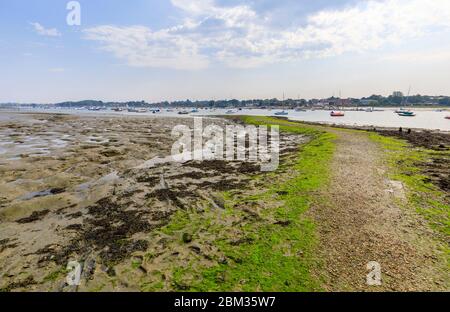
[407, 114]
[337, 114]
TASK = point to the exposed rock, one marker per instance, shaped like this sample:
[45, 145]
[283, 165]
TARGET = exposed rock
[187, 238]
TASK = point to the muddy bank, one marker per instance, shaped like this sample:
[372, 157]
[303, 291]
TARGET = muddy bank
[437, 167]
[438, 141]
[75, 189]
[431, 139]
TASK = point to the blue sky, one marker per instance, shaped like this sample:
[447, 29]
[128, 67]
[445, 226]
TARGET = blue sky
[219, 49]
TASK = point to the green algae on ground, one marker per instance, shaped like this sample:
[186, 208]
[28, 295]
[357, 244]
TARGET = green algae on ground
[277, 252]
[406, 164]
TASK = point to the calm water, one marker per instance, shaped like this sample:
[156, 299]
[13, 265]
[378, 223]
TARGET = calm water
[425, 118]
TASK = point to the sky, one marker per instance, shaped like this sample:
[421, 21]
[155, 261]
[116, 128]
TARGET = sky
[157, 50]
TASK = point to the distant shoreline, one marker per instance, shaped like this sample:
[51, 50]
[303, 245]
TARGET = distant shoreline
[152, 106]
[86, 113]
[368, 128]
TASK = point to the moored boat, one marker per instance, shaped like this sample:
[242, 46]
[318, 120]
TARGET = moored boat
[282, 113]
[337, 114]
[407, 114]
[448, 117]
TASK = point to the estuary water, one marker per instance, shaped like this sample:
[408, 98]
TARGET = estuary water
[431, 119]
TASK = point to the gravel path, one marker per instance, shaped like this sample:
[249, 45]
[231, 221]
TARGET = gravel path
[361, 219]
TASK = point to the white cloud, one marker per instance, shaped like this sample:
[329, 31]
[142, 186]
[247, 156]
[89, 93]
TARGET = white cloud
[141, 47]
[41, 30]
[239, 37]
[198, 7]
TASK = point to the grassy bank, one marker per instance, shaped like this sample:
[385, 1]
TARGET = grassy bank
[407, 165]
[275, 251]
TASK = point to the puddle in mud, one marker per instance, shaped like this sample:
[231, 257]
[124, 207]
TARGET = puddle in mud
[14, 144]
[96, 140]
[112, 177]
[59, 143]
[49, 192]
[14, 158]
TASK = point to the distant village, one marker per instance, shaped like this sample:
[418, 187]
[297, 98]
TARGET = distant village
[397, 98]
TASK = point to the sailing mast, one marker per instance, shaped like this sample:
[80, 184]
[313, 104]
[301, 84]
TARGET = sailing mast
[405, 100]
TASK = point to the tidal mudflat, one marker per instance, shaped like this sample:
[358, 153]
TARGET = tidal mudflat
[75, 189]
[99, 190]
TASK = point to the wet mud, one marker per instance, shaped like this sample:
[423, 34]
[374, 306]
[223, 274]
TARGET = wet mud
[90, 200]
